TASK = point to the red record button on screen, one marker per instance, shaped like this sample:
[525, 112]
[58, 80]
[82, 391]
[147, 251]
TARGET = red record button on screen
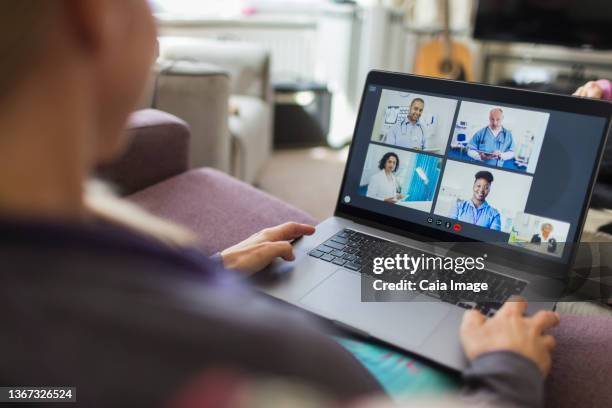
[457, 227]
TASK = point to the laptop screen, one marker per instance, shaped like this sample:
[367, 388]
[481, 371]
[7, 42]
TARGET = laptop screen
[475, 162]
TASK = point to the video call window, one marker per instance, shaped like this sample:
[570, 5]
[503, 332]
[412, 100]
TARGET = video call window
[498, 136]
[539, 234]
[414, 121]
[400, 177]
[483, 196]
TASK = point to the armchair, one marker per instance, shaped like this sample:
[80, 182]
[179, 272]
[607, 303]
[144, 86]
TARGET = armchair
[197, 79]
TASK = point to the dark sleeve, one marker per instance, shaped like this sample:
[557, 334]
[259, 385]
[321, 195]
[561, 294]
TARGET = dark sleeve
[504, 377]
[217, 259]
[535, 238]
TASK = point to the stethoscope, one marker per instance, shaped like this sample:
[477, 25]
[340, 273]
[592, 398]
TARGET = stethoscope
[405, 124]
[477, 215]
[498, 140]
[477, 212]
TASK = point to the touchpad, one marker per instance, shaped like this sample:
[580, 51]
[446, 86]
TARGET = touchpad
[401, 323]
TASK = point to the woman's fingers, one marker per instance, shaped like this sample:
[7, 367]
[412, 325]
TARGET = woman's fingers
[281, 249]
[589, 90]
[549, 342]
[287, 231]
[472, 319]
[514, 306]
[544, 320]
[259, 250]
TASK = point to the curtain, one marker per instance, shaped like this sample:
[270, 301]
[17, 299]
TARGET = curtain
[418, 189]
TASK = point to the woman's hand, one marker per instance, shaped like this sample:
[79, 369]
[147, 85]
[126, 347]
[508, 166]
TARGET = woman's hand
[256, 252]
[590, 90]
[509, 330]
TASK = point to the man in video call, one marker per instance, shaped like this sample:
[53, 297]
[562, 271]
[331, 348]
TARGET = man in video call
[410, 132]
[492, 144]
[476, 210]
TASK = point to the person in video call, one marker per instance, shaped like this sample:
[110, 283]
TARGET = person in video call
[545, 237]
[477, 210]
[104, 300]
[410, 132]
[492, 144]
[384, 185]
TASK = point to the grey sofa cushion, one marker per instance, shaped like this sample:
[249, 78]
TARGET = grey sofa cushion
[250, 129]
[246, 63]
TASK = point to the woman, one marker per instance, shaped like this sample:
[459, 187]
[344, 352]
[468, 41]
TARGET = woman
[545, 234]
[545, 237]
[384, 185]
[127, 319]
[477, 210]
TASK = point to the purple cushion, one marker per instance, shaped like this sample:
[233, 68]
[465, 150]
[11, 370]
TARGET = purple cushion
[581, 374]
[218, 208]
[154, 137]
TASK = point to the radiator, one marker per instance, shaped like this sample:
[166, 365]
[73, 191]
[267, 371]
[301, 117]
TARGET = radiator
[293, 46]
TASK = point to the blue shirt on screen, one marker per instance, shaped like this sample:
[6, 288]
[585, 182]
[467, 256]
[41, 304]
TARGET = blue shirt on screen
[485, 141]
[484, 216]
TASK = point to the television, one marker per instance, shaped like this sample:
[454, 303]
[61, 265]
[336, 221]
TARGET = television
[569, 23]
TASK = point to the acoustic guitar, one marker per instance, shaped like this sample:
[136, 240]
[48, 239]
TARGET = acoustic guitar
[443, 57]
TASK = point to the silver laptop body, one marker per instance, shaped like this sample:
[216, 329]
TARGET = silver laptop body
[422, 324]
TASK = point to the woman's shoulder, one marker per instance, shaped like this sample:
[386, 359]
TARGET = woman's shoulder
[377, 175]
[494, 211]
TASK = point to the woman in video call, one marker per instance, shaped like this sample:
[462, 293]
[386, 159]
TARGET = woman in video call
[545, 237]
[477, 210]
[384, 185]
[113, 308]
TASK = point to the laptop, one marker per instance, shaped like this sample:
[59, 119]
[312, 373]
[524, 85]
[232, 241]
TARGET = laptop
[517, 208]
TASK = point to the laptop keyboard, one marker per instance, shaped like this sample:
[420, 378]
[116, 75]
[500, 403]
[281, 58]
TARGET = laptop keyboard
[355, 250]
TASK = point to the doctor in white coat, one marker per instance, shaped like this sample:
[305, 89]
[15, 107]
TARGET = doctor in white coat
[410, 132]
[384, 185]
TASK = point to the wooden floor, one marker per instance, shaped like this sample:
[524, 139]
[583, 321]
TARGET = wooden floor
[306, 178]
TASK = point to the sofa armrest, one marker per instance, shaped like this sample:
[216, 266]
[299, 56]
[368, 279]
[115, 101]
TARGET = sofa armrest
[218, 208]
[158, 148]
[198, 93]
[581, 363]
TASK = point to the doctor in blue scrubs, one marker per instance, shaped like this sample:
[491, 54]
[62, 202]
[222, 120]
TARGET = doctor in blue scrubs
[409, 133]
[476, 210]
[492, 144]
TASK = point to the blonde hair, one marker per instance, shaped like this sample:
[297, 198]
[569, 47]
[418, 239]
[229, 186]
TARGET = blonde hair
[102, 203]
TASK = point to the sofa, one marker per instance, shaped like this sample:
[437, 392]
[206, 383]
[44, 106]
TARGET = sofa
[154, 172]
[222, 211]
[222, 90]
